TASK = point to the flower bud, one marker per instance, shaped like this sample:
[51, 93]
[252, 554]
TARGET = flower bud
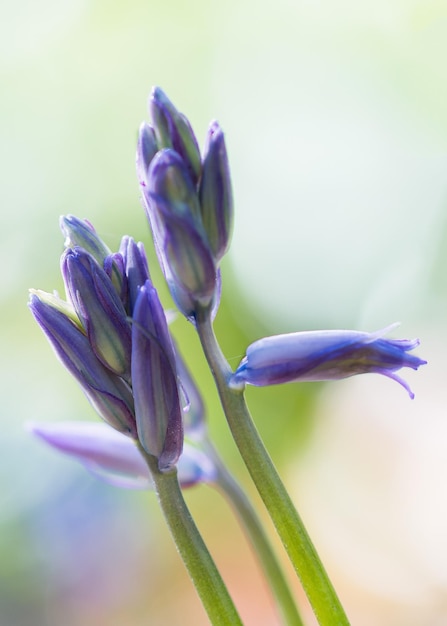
[325, 355]
[215, 193]
[109, 394]
[179, 235]
[114, 268]
[154, 381]
[172, 130]
[135, 268]
[99, 308]
[146, 150]
[81, 233]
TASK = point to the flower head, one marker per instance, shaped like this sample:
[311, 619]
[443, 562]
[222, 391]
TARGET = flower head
[112, 336]
[188, 201]
[325, 355]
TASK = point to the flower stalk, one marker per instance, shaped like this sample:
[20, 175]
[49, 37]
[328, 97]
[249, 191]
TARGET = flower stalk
[301, 551]
[201, 568]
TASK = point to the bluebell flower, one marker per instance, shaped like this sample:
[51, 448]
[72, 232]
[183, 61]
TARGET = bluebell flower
[112, 336]
[325, 355]
[154, 381]
[135, 269]
[215, 192]
[188, 201]
[99, 308]
[108, 393]
[115, 458]
[173, 130]
[180, 231]
[81, 233]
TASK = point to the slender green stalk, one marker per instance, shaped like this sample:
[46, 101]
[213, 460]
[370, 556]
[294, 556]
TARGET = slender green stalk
[201, 567]
[289, 525]
[262, 547]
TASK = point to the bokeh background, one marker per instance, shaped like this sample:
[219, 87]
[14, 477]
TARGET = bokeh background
[335, 115]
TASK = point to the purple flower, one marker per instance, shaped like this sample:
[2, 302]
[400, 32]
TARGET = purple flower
[109, 394]
[81, 233]
[177, 224]
[154, 381]
[188, 202]
[115, 458]
[99, 307]
[136, 269]
[325, 355]
[215, 193]
[172, 130]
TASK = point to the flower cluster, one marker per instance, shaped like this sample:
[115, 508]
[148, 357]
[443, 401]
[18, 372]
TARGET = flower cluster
[112, 335]
[188, 201]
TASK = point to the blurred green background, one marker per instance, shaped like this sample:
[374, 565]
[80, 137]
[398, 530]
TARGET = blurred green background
[335, 116]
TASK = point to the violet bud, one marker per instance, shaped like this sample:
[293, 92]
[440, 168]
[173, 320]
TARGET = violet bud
[154, 381]
[99, 308]
[81, 233]
[114, 268]
[146, 150]
[135, 268]
[179, 235]
[109, 394]
[325, 355]
[215, 193]
[172, 130]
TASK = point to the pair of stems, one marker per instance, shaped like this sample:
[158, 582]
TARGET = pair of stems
[290, 528]
[201, 567]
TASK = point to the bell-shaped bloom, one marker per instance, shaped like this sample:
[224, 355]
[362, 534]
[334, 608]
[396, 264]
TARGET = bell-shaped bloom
[215, 193]
[172, 130]
[99, 307]
[154, 381]
[177, 225]
[109, 394]
[81, 233]
[115, 458]
[325, 355]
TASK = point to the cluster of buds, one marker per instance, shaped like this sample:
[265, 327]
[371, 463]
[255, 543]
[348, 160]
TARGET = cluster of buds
[112, 335]
[188, 201]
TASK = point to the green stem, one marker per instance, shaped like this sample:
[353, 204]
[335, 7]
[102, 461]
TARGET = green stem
[262, 547]
[289, 525]
[201, 567]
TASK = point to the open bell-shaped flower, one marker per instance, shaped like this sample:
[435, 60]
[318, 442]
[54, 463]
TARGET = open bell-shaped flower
[325, 355]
